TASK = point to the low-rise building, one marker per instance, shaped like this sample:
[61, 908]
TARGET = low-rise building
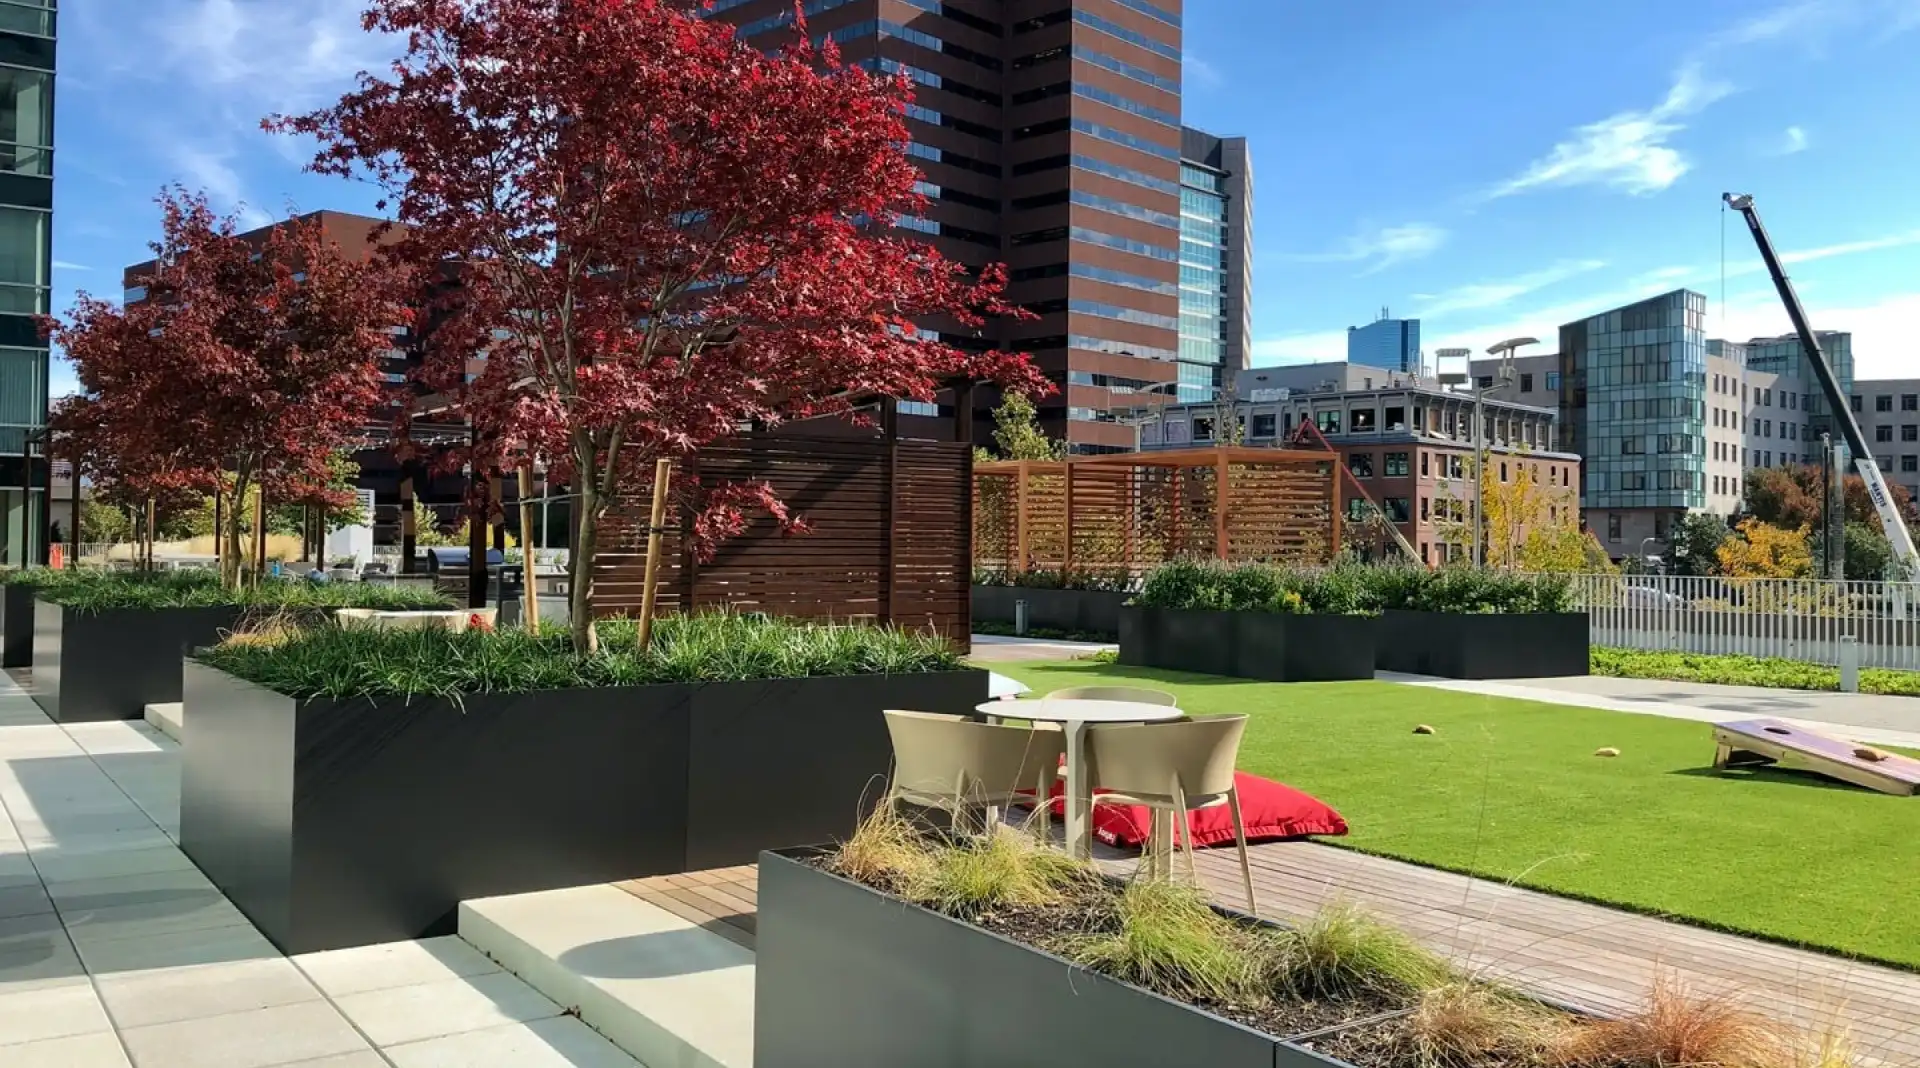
[1407, 442]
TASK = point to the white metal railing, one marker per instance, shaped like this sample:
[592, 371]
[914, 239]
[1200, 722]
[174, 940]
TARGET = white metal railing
[1798, 619]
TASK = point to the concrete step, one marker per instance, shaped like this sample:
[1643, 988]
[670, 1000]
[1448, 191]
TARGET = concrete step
[665, 990]
[168, 719]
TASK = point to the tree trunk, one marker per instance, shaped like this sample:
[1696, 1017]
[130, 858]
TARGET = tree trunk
[586, 638]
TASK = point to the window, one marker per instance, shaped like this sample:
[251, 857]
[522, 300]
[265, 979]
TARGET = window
[1263, 425]
[1426, 510]
[1526, 383]
[1634, 480]
[1423, 545]
[1396, 419]
[1613, 528]
[1356, 509]
[1364, 420]
[26, 120]
[1883, 402]
[1910, 402]
[1632, 445]
[1910, 462]
[1361, 464]
[1484, 382]
[1399, 509]
[1553, 380]
[1202, 428]
[1423, 464]
[1503, 470]
[1883, 433]
[1854, 402]
[1328, 421]
[1910, 432]
[1396, 465]
[1766, 397]
[1456, 467]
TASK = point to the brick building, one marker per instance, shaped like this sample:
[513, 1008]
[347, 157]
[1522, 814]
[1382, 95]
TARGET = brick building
[1049, 133]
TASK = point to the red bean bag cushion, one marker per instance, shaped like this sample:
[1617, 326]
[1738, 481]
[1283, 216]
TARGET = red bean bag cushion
[1271, 810]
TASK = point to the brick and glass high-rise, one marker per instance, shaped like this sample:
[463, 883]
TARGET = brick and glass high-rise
[1049, 134]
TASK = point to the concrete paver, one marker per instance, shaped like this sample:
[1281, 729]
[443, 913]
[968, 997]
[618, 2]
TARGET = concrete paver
[116, 952]
[1871, 718]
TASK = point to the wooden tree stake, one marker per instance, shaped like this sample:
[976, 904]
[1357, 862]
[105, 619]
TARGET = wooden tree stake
[532, 620]
[662, 471]
[259, 533]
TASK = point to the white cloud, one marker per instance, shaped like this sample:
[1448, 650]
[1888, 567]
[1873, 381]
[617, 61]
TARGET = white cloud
[1381, 248]
[1792, 140]
[1493, 294]
[64, 265]
[1884, 330]
[1626, 151]
[208, 169]
[1200, 74]
[272, 54]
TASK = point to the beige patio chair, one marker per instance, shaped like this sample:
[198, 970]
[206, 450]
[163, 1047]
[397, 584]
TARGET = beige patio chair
[952, 762]
[1171, 769]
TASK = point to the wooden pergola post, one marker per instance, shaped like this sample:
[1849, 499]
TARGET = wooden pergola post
[1020, 520]
[1220, 507]
[1333, 472]
[1066, 552]
[532, 608]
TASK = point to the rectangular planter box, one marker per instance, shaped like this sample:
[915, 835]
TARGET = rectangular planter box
[16, 625]
[1271, 646]
[1087, 611]
[845, 975]
[113, 664]
[1460, 645]
[344, 823]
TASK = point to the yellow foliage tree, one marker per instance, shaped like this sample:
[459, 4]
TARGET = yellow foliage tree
[1761, 550]
[1526, 524]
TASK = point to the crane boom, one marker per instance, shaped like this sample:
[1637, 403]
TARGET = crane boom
[1890, 519]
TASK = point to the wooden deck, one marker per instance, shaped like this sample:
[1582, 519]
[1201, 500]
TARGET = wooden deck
[1586, 954]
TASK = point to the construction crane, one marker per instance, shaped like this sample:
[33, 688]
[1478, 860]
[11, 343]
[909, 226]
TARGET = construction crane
[1890, 519]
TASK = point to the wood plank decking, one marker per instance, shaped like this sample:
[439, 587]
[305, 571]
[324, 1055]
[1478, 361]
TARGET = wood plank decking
[1577, 952]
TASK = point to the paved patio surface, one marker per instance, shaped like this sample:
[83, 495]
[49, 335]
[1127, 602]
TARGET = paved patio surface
[1873, 718]
[115, 951]
[993, 648]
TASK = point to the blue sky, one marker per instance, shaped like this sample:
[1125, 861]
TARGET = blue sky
[1500, 167]
[1496, 167]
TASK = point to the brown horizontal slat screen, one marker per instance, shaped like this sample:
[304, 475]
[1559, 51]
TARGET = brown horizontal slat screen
[888, 538]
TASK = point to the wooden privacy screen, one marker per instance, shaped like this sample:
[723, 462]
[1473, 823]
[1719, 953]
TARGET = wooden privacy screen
[888, 538]
[1124, 514]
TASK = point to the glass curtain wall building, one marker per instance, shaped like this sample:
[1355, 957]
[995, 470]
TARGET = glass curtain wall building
[1393, 344]
[1216, 233]
[1634, 382]
[1784, 356]
[26, 255]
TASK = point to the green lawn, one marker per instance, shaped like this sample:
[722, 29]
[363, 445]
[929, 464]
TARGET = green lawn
[1511, 790]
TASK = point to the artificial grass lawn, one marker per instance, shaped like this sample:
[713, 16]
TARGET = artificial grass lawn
[1511, 790]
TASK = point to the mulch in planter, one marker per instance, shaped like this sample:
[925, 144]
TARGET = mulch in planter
[1390, 1043]
[1054, 929]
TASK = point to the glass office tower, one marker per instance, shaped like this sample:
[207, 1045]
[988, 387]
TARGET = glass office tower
[26, 255]
[1393, 344]
[1637, 379]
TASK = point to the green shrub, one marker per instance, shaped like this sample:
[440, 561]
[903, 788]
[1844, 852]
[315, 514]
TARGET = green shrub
[1350, 589]
[1053, 579]
[87, 591]
[1773, 672]
[354, 661]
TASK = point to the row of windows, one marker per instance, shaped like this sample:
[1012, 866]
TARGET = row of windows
[952, 159]
[1132, 37]
[935, 118]
[1124, 103]
[1642, 481]
[889, 28]
[1123, 244]
[1883, 402]
[1909, 432]
[1125, 315]
[1121, 137]
[1636, 444]
[1201, 178]
[1209, 207]
[931, 80]
[958, 233]
[1121, 278]
[1116, 348]
[1113, 382]
[955, 196]
[1123, 208]
[1122, 68]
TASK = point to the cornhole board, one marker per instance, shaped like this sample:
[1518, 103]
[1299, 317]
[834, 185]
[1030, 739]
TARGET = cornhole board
[1750, 742]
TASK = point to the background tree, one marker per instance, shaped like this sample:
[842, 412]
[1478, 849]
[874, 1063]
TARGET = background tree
[102, 523]
[250, 364]
[1695, 544]
[1017, 434]
[1761, 550]
[665, 235]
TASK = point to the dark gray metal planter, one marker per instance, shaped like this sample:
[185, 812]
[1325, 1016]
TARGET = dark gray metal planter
[1481, 646]
[1086, 611]
[344, 823]
[16, 625]
[1271, 646]
[845, 975]
[113, 664]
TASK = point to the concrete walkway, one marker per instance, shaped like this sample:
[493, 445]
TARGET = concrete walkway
[1869, 718]
[992, 648]
[115, 951]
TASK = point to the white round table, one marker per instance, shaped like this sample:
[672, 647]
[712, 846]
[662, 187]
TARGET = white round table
[1073, 717]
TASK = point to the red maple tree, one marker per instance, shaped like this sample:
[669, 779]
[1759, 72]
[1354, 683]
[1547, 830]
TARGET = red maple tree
[248, 364]
[666, 236]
